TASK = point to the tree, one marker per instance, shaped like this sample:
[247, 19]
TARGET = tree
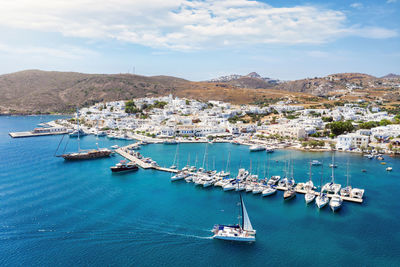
[327, 119]
[339, 127]
[130, 107]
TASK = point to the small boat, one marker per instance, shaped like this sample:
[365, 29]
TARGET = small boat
[369, 156]
[115, 147]
[315, 162]
[256, 148]
[269, 150]
[335, 203]
[122, 166]
[77, 133]
[229, 186]
[258, 189]
[321, 200]
[383, 163]
[239, 232]
[332, 165]
[389, 169]
[363, 170]
[269, 190]
[273, 180]
[179, 176]
[289, 194]
[357, 193]
[170, 142]
[309, 197]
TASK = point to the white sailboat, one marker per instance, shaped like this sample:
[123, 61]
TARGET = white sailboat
[336, 202]
[240, 232]
[322, 199]
[332, 187]
[309, 196]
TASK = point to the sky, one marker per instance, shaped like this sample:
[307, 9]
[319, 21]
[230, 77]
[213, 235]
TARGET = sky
[201, 39]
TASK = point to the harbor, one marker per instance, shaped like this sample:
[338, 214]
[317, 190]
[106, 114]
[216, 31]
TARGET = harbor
[57, 200]
[128, 153]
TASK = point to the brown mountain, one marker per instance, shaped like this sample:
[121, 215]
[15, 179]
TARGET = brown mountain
[35, 91]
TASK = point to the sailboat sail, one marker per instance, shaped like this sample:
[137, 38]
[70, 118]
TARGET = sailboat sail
[246, 224]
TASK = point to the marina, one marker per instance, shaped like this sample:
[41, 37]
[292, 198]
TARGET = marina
[124, 213]
[127, 153]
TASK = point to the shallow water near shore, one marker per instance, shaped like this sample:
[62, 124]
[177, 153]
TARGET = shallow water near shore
[79, 213]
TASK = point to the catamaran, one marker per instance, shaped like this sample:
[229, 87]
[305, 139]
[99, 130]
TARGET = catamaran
[332, 187]
[238, 232]
[336, 202]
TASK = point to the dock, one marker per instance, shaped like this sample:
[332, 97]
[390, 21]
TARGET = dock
[123, 152]
[33, 134]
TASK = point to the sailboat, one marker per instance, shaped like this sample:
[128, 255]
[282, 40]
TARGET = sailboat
[85, 154]
[346, 191]
[240, 232]
[322, 199]
[180, 174]
[332, 187]
[309, 196]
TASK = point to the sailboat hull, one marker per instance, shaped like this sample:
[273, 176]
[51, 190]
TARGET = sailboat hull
[93, 154]
[235, 238]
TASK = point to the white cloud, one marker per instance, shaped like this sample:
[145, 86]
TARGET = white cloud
[357, 5]
[67, 52]
[184, 24]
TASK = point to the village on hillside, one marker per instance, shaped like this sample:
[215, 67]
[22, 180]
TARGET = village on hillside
[350, 127]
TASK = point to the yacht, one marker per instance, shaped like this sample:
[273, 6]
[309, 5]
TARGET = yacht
[357, 193]
[240, 186]
[269, 190]
[122, 166]
[274, 180]
[255, 148]
[269, 150]
[309, 197]
[346, 191]
[289, 193]
[229, 186]
[321, 200]
[331, 187]
[258, 189]
[335, 203]
[179, 176]
[77, 133]
[315, 163]
[240, 232]
[208, 181]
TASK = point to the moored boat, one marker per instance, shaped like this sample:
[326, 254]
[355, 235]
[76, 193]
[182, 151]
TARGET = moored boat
[122, 166]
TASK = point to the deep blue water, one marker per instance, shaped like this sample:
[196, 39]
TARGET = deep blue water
[77, 213]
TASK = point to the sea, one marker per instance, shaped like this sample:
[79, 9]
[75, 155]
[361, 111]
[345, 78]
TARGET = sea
[58, 213]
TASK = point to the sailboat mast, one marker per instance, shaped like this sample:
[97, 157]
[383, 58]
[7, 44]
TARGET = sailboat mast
[333, 167]
[241, 208]
[204, 158]
[310, 171]
[322, 174]
[77, 119]
[227, 162]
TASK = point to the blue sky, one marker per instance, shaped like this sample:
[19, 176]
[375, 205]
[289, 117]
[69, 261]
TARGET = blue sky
[199, 40]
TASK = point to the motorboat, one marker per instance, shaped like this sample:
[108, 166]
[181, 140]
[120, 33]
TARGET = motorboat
[389, 169]
[122, 166]
[269, 149]
[335, 203]
[241, 232]
[315, 162]
[269, 190]
[256, 148]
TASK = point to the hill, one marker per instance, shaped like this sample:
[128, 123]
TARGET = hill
[35, 91]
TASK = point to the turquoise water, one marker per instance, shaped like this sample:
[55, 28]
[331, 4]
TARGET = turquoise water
[78, 213]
